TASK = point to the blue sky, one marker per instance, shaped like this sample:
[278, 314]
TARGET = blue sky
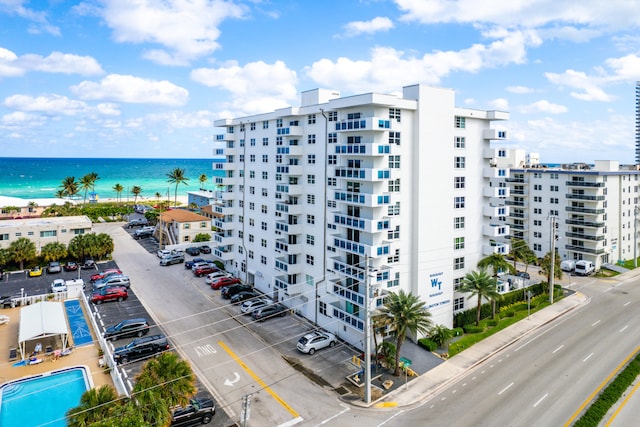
[143, 78]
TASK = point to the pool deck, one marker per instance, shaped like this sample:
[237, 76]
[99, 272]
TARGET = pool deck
[86, 355]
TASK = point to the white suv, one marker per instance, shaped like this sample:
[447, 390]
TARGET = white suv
[58, 285]
[316, 341]
[212, 277]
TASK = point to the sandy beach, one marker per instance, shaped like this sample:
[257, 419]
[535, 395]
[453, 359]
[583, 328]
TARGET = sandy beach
[151, 201]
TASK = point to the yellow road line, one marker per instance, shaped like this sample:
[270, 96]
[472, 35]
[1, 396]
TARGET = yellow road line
[258, 380]
[622, 405]
[601, 386]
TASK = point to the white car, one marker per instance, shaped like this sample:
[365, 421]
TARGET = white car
[163, 253]
[249, 306]
[212, 277]
[58, 285]
[316, 341]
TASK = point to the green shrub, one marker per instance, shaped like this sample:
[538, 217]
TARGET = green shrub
[473, 329]
[492, 322]
[427, 344]
[457, 332]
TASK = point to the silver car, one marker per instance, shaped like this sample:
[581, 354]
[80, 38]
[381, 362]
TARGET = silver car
[314, 341]
[249, 306]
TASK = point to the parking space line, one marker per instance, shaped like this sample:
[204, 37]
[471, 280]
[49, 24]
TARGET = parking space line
[258, 380]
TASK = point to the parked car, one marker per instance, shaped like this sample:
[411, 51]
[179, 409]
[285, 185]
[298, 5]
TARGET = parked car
[172, 259]
[144, 232]
[315, 341]
[35, 271]
[163, 253]
[268, 311]
[105, 273]
[127, 328]
[70, 266]
[74, 282]
[108, 293]
[205, 249]
[229, 291]
[58, 285]
[204, 264]
[524, 275]
[200, 410]
[194, 261]
[137, 222]
[88, 264]
[141, 348]
[54, 267]
[212, 277]
[115, 280]
[224, 281]
[244, 296]
[193, 251]
[249, 306]
[203, 270]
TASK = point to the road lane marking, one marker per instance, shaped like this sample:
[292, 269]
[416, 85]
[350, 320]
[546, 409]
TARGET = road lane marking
[558, 349]
[622, 405]
[601, 386]
[623, 329]
[505, 389]
[595, 323]
[626, 303]
[540, 400]
[258, 380]
[587, 358]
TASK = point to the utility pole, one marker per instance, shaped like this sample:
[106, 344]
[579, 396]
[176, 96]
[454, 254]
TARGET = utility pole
[635, 236]
[553, 257]
[367, 335]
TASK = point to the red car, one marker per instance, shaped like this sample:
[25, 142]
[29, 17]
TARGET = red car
[105, 273]
[116, 293]
[224, 281]
[203, 270]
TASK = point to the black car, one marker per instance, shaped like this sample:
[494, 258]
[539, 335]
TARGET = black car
[268, 311]
[204, 249]
[199, 411]
[127, 328]
[229, 291]
[193, 251]
[189, 264]
[88, 264]
[243, 296]
[141, 348]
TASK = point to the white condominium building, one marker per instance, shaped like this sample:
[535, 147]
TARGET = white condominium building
[593, 208]
[319, 202]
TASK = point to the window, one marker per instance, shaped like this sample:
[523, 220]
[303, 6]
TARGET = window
[458, 304]
[394, 234]
[311, 159]
[311, 179]
[311, 139]
[459, 122]
[537, 247]
[241, 233]
[265, 142]
[253, 126]
[263, 225]
[458, 182]
[264, 209]
[332, 159]
[251, 254]
[332, 182]
[394, 162]
[252, 190]
[265, 175]
[332, 116]
[265, 193]
[395, 257]
[459, 142]
[252, 142]
[394, 138]
[252, 158]
[263, 259]
[311, 119]
[457, 282]
[394, 185]
[394, 113]
[311, 219]
[332, 138]
[537, 198]
[241, 158]
[555, 200]
[458, 202]
[310, 259]
[458, 222]
[278, 141]
[251, 238]
[265, 158]
[554, 188]
[4, 236]
[265, 124]
[458, 263]
[311, 199]
[252, 206]
[51, 233]
[458, 162]
[278, 123]
[311, 240]
[458, 243]
[537, 234]
[263, 243]
[251, 222]
[394, 210]
[537, 211]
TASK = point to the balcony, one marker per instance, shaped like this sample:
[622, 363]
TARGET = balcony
[282, 247]
[348, 270]
[496, 192]
[514, 202]
[290, 131]
[516, 179]
[584, 210]
[291, 150]
[290, 209]
[223, 239]
[498, 134]
[495, 211]
[364, 124]
[590, 184]
[349, 295]
[285, 228]
[495, 173]
[285, 266]
[495, 248]
[225, 137]
[347, 319]
[224, 225]
[293, 190]
[596, 251]
[583, 236]
[583, 223]
[290, 170]
[585, 197]
[289, 289]
[225, 253]
[495, 230]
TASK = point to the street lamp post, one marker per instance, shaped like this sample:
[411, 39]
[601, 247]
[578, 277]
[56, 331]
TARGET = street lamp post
[553, 257]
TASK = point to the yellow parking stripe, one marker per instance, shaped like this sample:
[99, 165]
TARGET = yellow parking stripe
[258, 380]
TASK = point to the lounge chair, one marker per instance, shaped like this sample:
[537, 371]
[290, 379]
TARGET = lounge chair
[48, 350]
[13, 354]
[4, 319]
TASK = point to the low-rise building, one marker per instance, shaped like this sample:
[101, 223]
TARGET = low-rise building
[181, 226]
[44, 230]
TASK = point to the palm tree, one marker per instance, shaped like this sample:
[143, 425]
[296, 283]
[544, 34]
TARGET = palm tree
[118, 189]
[520, 251]
[202, 178]
[379, 322]
[59, 194]
[32, 206]
[53, 251]
[545, 266]
[22, 250]
[177, 177]
[96, 404]
[70, 186]
[158, 197]
[480, 285]
[93, 177]
[104, 245]
[497, 263]
[135, 190]
[408, 313]
[85, 185]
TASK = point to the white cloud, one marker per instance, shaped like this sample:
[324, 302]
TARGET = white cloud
[130, 89]
[39, 22]
[186, 29]
[182, 120]
[543, 106]
[255, 88]
[49, 104]
[12, 65]
[108, 109]
[500, 104]
[589, 86]
[519, 89]
[377, 24]
[20, 118]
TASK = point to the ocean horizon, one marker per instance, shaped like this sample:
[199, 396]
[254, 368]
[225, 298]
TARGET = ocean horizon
[38, 178]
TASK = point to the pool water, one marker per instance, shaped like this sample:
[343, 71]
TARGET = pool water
[42, 399]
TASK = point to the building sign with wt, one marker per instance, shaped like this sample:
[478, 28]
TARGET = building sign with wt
[436, 295]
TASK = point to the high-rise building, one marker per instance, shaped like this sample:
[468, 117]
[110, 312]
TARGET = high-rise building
[322, 201]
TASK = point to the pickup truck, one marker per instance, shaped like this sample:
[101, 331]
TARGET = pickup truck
[200, 410]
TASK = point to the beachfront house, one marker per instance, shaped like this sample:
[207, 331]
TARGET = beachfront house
[181, 226]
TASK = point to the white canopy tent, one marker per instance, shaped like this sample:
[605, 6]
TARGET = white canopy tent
[41, 320]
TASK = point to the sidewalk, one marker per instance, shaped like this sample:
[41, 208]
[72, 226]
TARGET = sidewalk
[442, 375]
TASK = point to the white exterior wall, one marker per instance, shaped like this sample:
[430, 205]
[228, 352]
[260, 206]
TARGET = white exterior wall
[44, 230]
[360, 223]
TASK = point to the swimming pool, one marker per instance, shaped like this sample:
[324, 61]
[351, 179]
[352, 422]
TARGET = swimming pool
[43, 399]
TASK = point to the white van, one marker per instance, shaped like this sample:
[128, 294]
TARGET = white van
[568, 265]
[584, 268]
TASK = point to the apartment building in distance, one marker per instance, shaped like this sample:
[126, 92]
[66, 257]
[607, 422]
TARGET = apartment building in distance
[594, 207]
[44, 230]
[319, 202]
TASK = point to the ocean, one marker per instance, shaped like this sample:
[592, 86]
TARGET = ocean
[37, 178]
